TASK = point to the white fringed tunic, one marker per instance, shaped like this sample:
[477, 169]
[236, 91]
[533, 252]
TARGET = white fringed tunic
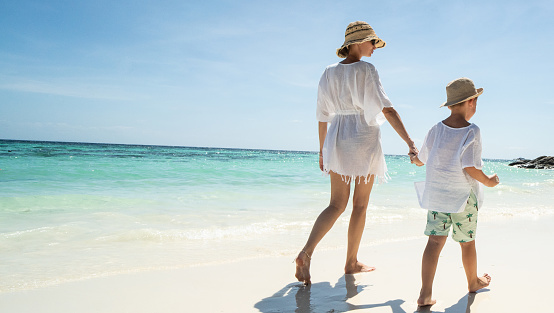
[351, 98]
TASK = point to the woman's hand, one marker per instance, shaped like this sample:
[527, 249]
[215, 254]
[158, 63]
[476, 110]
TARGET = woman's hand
[321, 161]
[413, 154]
[413, 150]
[322, 134]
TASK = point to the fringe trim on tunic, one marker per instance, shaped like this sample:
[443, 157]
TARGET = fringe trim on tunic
[349, 178]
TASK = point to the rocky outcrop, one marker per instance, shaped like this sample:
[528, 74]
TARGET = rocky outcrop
[543, 162]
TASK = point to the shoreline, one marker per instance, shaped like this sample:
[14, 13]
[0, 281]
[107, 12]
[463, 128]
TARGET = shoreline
[511, 251]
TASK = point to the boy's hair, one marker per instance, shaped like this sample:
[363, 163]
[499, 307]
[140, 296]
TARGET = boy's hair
[460, 104]
[457, 105]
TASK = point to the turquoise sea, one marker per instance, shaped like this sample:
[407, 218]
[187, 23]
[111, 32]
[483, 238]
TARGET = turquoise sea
[72, 211]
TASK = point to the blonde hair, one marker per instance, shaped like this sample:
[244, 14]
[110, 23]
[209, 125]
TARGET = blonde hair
[345, 50]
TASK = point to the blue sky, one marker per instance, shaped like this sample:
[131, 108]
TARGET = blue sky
[244, 74]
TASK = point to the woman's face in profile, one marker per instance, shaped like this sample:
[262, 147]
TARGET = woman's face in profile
[367, 48]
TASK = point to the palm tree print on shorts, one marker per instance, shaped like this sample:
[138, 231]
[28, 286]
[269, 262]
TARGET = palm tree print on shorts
[469, 215]
[433, 232]
[444, 225]
[470, 233]
[459, 225]
[434, 214]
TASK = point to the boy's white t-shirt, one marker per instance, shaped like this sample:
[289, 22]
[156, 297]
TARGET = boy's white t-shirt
[446, 151]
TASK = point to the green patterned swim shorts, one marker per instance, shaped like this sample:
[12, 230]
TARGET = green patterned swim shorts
[464, 223]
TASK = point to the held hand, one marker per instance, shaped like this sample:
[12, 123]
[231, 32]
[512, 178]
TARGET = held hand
[493, 180]
[415, 160]
[413, 150]
[413, 155]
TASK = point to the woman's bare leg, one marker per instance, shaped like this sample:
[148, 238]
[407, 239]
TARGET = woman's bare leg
[340, 191]
[356, 227]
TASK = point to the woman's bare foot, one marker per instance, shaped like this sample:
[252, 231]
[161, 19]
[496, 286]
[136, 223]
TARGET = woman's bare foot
[480, 283]
[303, 267]
[358, 267]
[425, 301]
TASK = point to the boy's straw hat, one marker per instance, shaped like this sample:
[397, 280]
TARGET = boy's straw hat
[358, 32]
[460, 90]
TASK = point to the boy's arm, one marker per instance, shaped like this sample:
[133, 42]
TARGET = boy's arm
[478, 175]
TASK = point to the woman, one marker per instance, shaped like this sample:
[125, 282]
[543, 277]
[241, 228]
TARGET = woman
[351, 98]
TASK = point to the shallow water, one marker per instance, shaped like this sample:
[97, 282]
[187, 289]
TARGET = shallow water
[71, 211]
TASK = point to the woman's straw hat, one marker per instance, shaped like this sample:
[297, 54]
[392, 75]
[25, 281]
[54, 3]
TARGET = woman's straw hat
[460, 90]
[358, 32]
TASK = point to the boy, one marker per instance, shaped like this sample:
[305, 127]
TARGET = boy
[451, 191]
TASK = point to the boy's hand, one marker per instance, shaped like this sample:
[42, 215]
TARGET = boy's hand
[493, 180]
[478, 175]
[415, 160]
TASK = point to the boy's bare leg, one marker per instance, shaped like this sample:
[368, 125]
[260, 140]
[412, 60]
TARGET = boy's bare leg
[356, 227]
[469, 259]
[428, 268]
[340, 191]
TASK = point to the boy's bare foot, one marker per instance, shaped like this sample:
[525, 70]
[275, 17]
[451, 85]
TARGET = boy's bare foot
[480, 283]
[303, 268]
[358, 267]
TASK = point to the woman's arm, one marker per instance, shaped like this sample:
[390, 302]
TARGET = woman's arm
[322, 135]
[394, 119]
[478, 175]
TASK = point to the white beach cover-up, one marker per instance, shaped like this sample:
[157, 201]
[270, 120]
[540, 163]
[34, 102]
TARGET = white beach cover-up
[446, 152]
[351, 98]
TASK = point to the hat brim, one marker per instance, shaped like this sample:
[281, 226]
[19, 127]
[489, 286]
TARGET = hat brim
[379, 43]
[451, 103]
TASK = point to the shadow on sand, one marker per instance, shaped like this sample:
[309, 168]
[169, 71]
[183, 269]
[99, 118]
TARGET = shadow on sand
[463, 305]
[321, 297]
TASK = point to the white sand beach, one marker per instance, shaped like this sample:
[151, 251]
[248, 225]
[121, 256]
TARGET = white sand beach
[515, 253]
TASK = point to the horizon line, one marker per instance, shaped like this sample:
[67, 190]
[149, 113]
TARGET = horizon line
[205, 147]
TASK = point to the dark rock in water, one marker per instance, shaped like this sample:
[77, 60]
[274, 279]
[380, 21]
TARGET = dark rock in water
[542, 162]
[519, 161]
